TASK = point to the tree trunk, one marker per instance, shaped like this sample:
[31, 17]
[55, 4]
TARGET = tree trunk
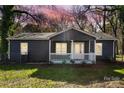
[4, 42]
[122, 48]
[104, 19]
[123, 41]
[7, 15]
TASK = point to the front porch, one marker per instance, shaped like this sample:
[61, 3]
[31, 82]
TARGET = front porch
[88, 58]
[72, 52]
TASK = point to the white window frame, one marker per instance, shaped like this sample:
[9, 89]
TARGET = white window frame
[61, 50]
[98, 52]
[24, 48]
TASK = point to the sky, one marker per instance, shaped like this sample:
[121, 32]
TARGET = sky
[67, 7]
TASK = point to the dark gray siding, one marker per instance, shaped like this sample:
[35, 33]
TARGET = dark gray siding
[38, 51]
[107, 51]
[15, 51]
[92, 44]
[76, 36]
[72, 35]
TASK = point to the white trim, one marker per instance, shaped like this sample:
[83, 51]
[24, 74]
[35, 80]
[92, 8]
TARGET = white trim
[24, 51]
[60, 54]
[60, 48]
[95, 50]
[70, 29]
[49, 50]
[89, 48]
[72, 49]
[78, 56]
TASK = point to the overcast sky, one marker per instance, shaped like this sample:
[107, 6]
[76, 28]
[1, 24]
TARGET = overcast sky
[67, 6]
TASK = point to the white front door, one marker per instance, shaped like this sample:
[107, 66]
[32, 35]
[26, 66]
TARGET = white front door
[78, 50]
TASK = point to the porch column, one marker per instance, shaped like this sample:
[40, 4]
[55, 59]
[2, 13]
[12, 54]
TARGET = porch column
[72, 49]
[49, 50]
[89, 55]
[89, 46]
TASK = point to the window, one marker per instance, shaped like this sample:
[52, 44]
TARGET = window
[98, 49]
[61, 48]
[24, 48]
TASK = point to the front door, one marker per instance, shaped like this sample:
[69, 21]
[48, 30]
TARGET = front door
[78, 50]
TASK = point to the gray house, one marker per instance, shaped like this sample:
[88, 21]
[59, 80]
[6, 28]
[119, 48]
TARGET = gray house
[69, 46]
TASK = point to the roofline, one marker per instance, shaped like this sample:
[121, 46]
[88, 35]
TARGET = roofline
[108, 39]
[24, 39]
[57, 33]
[49, 39]
[14, 38]
[70, 29]
[113, 38]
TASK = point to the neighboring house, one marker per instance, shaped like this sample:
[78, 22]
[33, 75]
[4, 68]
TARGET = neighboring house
[69, 46]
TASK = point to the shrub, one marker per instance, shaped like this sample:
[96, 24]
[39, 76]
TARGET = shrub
[64, 62]
[72, 61]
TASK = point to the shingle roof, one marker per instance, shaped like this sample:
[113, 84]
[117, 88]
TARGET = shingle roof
[31, 36]
[47, 35]
[103, 36]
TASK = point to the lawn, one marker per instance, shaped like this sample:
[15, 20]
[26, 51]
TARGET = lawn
[120, 58]
[52, 76]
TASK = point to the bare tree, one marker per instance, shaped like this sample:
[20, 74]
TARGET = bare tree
[104, 15]
[62, 20]
[79, 13]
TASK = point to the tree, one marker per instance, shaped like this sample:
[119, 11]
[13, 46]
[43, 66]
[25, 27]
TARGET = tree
[31, 28]
[106, 15]
[111, 22]
[99, 15]
[121, 17]
[79, 14]
[62, 20]
[8, 14]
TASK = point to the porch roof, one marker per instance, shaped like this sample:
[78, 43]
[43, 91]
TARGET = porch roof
[48, 35]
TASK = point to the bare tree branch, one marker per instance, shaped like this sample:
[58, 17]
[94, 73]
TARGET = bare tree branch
[79, 14]
[27, 13]
[98, 23]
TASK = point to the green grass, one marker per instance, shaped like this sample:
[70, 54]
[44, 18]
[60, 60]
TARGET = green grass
[60, 76]
[120, 58]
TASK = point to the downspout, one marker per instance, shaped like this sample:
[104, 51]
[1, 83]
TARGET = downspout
[89, 54]
[8, 49]
[95, 50]
[72, 43]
